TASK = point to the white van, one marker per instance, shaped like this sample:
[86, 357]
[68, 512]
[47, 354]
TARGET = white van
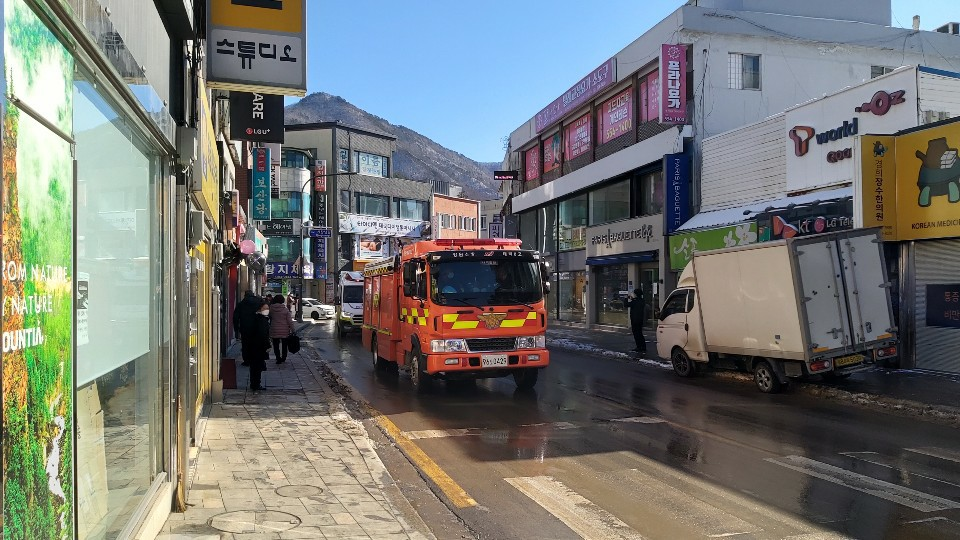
[349, 303]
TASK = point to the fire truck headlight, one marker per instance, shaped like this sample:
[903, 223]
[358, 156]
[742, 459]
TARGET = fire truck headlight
[531, 342]
[448, 345]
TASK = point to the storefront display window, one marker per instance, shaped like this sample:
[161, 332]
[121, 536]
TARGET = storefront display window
[573, 223]
[612, 286]
[572, 296]
[650, 193]
[610, 203]
[547, 227]
[528, 230]
[119, 446]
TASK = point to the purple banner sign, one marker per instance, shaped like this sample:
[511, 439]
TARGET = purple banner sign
[577, 137]
[577, 95]
[673, 84]
[616, 116]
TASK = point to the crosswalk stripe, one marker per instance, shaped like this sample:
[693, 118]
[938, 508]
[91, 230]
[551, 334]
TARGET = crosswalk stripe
[941, 453]
[582, 516]
[896, 464]
[878, 488]
[462, 432]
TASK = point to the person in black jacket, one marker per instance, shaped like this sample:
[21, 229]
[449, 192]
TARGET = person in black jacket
[257, 340]
[636, 305]
[244, 322]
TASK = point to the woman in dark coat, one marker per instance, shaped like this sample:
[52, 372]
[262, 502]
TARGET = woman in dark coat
[281, 326]
[259, 340]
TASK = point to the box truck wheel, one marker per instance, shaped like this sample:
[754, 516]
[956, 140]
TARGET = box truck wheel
[420, 379]
[682, 364]
[767, 380]
[526, 379]
[379, 363]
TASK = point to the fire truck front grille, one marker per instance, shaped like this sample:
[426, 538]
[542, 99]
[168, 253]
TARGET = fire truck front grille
[492, 344]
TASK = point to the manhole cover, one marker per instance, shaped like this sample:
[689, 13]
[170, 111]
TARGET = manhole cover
[254, 521]
[298, 491]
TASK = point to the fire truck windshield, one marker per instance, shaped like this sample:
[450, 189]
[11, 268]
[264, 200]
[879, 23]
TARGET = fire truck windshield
[491, 282]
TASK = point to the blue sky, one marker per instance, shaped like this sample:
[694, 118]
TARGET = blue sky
[451, 70]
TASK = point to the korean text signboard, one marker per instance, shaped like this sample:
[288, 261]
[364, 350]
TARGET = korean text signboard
[278, 227]
[616, 116]
[673, 84]
[928, 183]
[320, 176]
[577, 137]
[260, 203]
[531, 161]
[943, 305]
[589, 86]
[677, 207]
[256, 117]
[257, 45]
[878, 168]
[684, 245]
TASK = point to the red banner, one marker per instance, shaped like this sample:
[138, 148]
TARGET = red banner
[577, 137]
[551, 153]
[320, 176]
[532, 163]
[616, 116]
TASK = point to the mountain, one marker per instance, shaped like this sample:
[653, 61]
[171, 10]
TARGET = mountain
[417, 157]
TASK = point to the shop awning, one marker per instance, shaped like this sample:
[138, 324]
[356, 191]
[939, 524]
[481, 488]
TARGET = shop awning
[739, 214]
[622, 258]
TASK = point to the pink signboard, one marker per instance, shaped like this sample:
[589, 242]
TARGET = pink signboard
[653, 97]
[673, 84]
[532, 163]
[577, 95]
[551, 153]
[577, 137]
[616, 116]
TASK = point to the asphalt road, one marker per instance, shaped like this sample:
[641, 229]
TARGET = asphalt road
[606, 448]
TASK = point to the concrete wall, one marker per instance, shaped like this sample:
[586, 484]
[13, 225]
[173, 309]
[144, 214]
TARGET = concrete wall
[868, 11]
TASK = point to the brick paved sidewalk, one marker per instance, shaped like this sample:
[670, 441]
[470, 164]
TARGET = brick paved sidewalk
[289, 462]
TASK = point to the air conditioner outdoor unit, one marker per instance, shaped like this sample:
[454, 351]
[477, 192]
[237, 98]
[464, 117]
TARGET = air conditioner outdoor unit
[930, 117]
[217, 252]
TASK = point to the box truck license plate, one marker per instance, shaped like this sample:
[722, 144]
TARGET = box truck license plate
[847, 360]
[493, 360]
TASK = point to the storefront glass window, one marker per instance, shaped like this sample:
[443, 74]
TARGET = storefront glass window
[573, 223]
[571, 296]
[650, 193]
[612, 287]
[373, 205]
[610, 203]
[119, 443]
[528, 230]
[547, 239]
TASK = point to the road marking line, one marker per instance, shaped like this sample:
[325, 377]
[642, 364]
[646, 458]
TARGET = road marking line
[582, 516]
[927, 520]
[640, 420]
[447, 485]
[941, 453]
[885, 490]
[890, 464]
[463, 432]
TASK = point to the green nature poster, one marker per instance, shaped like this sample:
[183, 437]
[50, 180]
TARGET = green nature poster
[37, 269]
[683, 245]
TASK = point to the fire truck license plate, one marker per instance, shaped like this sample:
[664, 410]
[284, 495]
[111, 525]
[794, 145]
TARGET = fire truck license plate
[493, 360]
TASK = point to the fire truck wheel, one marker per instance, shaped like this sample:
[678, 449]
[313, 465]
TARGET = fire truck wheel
[420, 379]
[526, 379]
[379, 363]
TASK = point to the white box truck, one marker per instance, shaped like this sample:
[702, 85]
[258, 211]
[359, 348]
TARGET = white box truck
[814, 305]
[349, 303]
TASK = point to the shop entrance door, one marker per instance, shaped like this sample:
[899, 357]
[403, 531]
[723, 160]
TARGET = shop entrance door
[650, 283]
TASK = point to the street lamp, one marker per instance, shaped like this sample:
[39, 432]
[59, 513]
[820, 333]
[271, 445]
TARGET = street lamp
[303, 225]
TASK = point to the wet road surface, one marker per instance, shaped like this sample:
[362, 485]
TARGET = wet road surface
[605, 448]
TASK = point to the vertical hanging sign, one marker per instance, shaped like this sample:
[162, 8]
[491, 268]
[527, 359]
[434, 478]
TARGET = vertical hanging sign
[673, 84]
[260, 205]
[676, 210]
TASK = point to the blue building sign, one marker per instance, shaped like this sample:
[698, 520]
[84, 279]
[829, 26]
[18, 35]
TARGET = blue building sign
[260, 203]
[676, 211]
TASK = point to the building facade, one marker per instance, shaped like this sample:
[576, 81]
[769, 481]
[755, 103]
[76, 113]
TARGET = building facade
[622, 148]
[455, 217]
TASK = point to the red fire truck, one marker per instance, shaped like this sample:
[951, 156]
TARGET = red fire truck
[458, 309]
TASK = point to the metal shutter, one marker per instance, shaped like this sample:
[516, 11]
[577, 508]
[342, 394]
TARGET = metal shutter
[936, 261]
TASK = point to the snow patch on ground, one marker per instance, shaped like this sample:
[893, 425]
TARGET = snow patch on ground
[570, 344]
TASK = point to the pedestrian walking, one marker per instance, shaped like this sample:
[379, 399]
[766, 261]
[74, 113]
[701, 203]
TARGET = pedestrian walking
[281, 326]
[636, 305]
[244, 322]
[260, 344]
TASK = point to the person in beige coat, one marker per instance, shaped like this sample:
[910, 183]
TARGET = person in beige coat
[281, 326]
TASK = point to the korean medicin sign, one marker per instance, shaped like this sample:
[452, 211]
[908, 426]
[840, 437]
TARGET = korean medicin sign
[673, 84]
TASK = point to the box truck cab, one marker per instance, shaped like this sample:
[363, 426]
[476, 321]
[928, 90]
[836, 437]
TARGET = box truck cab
[349, 303]
[815, 305]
